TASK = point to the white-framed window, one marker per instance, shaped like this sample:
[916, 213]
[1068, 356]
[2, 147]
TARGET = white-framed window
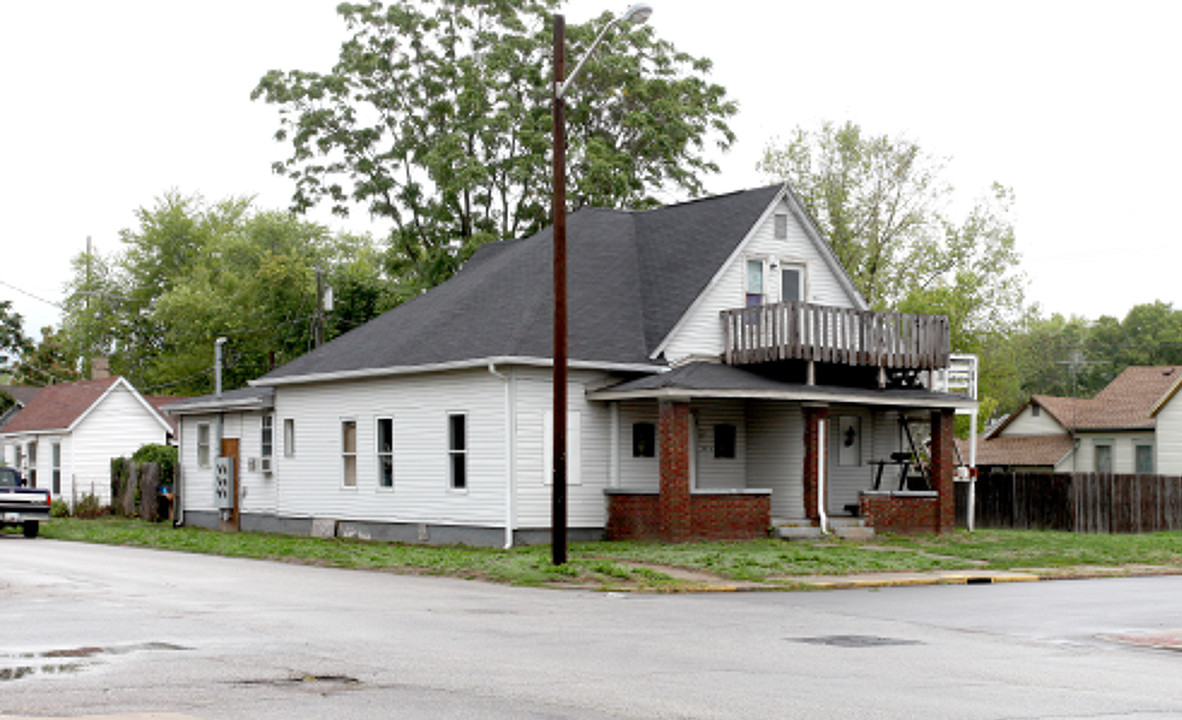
[574, 447]
[56, 453]
[203, 445]
[384, 437]
[289, 443]
[1143, 458]
[349, 453]
[755, 282]
[781, 226]
[457, 451]
[1103, 456]
[31, 476]
[267, 436]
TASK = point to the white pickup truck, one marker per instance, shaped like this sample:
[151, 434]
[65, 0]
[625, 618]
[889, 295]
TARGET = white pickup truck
[19, 505]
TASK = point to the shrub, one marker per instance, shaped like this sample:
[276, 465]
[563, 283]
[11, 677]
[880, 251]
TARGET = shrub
[89, 507]
[163, 455]
[59, 509]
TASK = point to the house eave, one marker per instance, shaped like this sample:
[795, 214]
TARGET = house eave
[214, 406]
[795, 395]
[467, 364]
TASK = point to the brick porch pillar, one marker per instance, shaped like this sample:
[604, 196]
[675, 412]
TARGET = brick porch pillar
[943, 468]
[674, 507]
[814, 449]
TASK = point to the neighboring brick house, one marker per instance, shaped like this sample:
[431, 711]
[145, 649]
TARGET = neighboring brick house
[1132, 426]
[64, 438]
[725, 374]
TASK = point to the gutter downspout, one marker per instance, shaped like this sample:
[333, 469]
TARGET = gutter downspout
[822, 451]
[510, 446]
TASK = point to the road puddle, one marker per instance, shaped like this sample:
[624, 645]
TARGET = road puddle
[65, 661]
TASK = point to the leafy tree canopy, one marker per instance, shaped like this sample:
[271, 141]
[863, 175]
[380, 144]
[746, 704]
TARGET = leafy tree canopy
[194, 271]
[13, 341]
[436, 118]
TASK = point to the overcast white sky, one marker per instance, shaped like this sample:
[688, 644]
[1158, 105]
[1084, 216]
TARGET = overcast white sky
[1076, 105]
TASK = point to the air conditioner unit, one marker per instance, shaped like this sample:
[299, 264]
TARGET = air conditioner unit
[265, 464]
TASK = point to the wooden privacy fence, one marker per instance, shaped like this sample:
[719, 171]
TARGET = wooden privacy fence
[803, 331]
[1075, 502]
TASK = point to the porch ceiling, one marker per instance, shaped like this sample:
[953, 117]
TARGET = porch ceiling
[714, 380]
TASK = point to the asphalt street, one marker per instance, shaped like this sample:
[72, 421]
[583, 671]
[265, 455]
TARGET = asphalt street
[94, 631]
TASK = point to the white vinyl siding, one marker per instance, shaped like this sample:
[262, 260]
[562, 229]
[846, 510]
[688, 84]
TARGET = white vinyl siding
[1027, 423]
[775, 454]
[1168, 442]
[711, 472]
[419, 405]
[1123, 453]
[639, 473]
[700, 332]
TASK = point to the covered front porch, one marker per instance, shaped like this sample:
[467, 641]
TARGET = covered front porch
[733, 452]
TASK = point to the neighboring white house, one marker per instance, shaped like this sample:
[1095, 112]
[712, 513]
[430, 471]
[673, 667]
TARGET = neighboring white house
[720, 336]
[64, 438]
[1132, 426]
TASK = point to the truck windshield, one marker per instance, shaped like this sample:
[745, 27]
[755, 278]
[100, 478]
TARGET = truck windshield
[9, 478]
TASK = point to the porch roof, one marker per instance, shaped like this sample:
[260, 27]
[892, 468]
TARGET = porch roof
[242, 399]
[714, 380]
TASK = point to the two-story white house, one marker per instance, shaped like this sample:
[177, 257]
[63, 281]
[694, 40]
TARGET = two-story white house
[725, 373]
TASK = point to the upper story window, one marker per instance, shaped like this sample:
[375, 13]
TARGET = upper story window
[755, 284]
[781, 225]
[1035, 411]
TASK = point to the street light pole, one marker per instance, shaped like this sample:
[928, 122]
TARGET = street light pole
[637, 13]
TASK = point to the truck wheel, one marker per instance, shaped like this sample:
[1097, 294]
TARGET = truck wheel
[30, 528]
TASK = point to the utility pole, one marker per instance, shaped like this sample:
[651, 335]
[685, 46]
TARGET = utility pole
[1075, 362]
[318, 326]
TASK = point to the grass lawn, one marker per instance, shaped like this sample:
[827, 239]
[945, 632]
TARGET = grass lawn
[653, 566]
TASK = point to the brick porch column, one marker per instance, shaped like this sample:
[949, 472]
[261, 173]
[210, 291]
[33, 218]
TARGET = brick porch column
[814, 448]
[943, 468]
[674, 442]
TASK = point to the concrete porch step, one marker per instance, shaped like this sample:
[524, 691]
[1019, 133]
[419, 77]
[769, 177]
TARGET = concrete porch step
[848, 528]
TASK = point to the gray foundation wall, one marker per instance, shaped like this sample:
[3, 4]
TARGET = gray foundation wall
[413, 533]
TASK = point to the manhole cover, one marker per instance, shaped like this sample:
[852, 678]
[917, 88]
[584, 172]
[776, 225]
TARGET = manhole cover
[856, 641]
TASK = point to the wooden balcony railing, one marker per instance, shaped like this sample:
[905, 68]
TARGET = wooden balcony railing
[802, 331]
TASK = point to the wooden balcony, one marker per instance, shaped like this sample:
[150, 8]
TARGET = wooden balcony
[845, 336]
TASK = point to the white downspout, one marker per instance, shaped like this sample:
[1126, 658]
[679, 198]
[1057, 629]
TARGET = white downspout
[510, 445]
[972, 470]
[614, 479]
[822, 448]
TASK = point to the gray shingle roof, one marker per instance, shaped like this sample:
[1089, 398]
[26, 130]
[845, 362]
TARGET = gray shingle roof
[631, 276]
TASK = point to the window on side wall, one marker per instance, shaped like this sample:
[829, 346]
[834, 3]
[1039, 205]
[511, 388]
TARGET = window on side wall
[644, 439]
[267, 436]
[1103, 457]
[349, 453]
[792, 283]
[1144, 459]
[385, 451]
[57, 468]
[457, 451]
[32, 474]
[288, 437]
[203, 445]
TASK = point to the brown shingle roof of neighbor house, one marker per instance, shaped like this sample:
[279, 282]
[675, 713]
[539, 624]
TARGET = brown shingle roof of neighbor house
[1020, 450]
[1127, 403]
[57, 407]
[21, 394]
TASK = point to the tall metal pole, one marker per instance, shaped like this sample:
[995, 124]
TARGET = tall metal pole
[558, 489]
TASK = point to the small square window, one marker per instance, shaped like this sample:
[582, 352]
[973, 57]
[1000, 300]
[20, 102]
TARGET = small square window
[644, 440]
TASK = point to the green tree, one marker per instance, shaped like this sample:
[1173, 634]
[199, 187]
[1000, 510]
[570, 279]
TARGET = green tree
[436, 118]
[49, 362]
[193, 271]
[13, 341]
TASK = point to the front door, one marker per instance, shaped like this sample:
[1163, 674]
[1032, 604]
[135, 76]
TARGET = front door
[230, 450]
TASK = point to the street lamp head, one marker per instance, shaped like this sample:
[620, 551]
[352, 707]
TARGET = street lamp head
[637, 13]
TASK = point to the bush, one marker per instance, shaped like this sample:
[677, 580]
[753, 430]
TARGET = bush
[89, 507]
[59, 509]
[163, 455]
